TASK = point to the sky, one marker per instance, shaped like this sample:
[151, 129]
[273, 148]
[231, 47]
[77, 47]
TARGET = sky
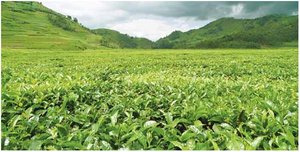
[157, 19]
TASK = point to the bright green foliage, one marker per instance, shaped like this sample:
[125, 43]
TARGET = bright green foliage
[61, 21]
[272, 30]
[138, 99]
[31, 25]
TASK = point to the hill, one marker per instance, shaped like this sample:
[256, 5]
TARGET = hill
[33, 26]
[272, 30]
[115, 39]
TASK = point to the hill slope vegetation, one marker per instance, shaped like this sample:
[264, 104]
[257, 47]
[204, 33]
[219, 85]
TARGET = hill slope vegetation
[33, 26]
[272, 30]
[115, 39]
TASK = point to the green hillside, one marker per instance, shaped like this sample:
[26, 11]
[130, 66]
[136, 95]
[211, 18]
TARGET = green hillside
[272, 30]
[115, 39]
[33, 26]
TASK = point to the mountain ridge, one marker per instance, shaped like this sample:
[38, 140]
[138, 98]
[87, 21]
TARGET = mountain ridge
[34, 26]
[116, 39]
[232, 32]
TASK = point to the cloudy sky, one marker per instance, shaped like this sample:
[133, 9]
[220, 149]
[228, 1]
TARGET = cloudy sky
[156, 19]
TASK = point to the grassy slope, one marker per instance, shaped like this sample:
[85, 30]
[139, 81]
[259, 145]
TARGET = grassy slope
[115, 39]
[209, 99]
[273, 30]
[26, 25]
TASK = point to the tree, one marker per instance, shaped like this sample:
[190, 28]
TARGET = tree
[60, 21]
[69, 17]
[75, 20]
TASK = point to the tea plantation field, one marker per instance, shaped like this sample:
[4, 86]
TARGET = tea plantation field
[150, 99]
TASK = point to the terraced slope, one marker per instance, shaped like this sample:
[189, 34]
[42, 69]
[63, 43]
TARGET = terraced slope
[31, 25]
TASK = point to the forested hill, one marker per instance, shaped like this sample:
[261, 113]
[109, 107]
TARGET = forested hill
[267, 31]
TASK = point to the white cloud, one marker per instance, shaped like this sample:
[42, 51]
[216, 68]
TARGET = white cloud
[155, 28]
[149, 28]
[157, 19]
[101, 14]
[93, 14]
[237, 10]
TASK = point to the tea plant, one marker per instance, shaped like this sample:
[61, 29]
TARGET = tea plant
[145, 99]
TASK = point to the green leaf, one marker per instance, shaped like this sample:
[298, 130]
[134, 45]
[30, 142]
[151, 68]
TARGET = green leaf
[143, 140]
[202, 146]
[95, 128]
[234, 144]
[14, 120]
[27, 113]
[215, 145]
[35, 145]
[290, 137]
[226, 126]
[169, 117]
[159, 131]
[72, 145]
[190, 144]
[72, 96]
[177, 144]
[174, 123]
[194, 129]
[134, 137]
[150, 123]
[187, 135]
[198, 123]
[256, 142]
[114, 118]
[105, 145]
[62, 130]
